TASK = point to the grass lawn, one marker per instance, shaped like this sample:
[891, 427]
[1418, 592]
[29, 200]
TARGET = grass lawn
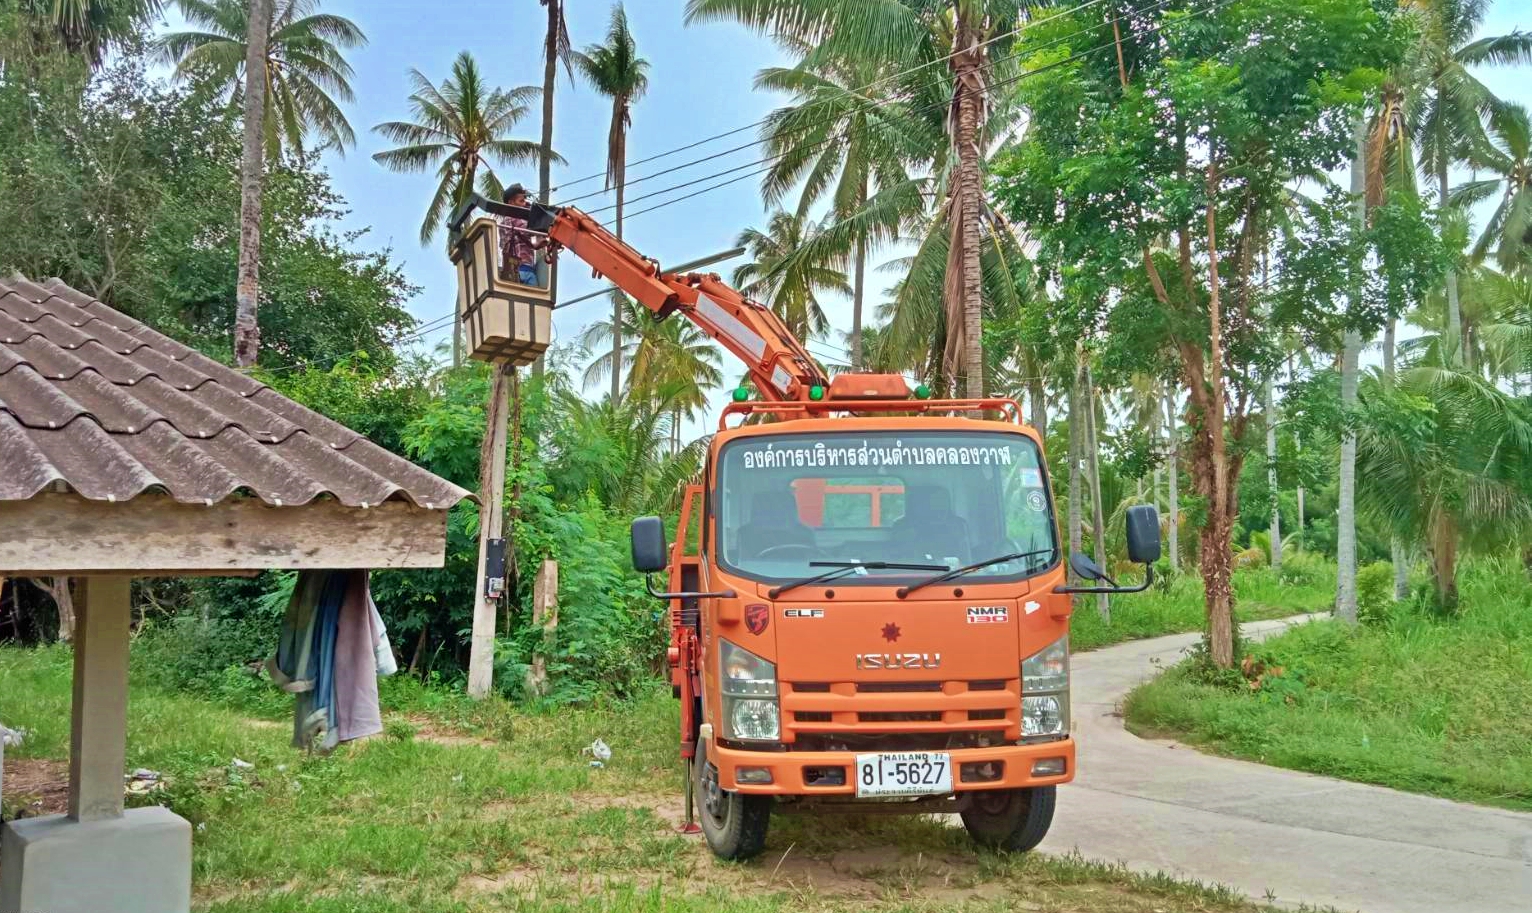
[464, 808]
[1306, 584]
[1419, 703]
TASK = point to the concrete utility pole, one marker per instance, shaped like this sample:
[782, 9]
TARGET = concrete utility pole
[481, 651]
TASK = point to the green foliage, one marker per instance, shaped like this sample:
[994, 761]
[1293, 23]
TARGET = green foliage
[1175, 604]
[1374, 592]
[129, 190]
[1420, 703]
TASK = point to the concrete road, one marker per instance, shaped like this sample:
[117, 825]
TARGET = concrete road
[1279, 834]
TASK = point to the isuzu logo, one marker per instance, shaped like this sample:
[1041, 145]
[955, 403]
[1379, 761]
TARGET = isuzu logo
[898, 660]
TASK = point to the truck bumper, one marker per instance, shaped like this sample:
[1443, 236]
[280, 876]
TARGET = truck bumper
[801, 773]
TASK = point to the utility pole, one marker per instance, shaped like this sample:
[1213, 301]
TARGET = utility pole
[481, 651]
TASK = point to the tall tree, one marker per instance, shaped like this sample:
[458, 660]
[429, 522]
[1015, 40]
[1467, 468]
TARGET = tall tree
[247, 332]
[460, 129]
[948, 52]
[784, 274]
[556, 49]
[1451, 126]
[615, 70]
[307, 76]
[1148, 185]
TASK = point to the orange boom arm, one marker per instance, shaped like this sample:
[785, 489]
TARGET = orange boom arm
[778, 364]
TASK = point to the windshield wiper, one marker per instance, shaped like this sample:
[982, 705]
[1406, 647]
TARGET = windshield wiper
[958, 572]
[845, 568]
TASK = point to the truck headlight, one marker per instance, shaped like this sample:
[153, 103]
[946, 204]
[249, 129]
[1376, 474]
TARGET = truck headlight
[1045, 692]
[749, 685]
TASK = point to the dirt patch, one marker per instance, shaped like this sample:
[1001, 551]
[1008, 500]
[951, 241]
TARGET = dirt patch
[495, 883]
[871, 871]
[429, 730]
[35, 787]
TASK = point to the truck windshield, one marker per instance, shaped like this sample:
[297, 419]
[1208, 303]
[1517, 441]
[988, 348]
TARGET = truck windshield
[936, 498]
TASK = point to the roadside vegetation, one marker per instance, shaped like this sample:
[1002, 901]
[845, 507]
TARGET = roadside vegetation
[463, 807]
[1306, 583]
[1411, 699]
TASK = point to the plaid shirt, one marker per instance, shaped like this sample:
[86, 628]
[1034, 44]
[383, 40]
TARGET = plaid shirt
[515, 243]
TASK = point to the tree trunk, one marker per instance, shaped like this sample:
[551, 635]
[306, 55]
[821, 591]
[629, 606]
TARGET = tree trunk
[858, 284]
[1271, 474]
[1345, 539]
[1452, 344]
[967, 68]
[1037, 402]
[1351, 349]
[1398, 554]
[545, 157]
[1444, 556]
[1098, 518]
[58, 590]
[618, 301]
[1217, 560]
[1076, 435]
[1390, 337]
[1173, 480]
[247, 333]
[1292, 376]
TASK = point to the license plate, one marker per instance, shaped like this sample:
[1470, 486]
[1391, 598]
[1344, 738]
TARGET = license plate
[904, 773]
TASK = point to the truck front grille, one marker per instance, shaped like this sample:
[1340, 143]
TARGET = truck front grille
[898, 711]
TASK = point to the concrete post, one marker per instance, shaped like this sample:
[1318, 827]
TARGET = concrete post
[97, 857]
[99, 735]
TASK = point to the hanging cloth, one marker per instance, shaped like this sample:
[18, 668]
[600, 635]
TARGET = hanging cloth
[331, 651]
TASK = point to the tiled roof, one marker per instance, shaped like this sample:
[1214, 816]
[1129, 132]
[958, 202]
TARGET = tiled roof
[94, 401]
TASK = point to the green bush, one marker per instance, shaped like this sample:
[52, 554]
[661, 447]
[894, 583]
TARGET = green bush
[1306, 569]
[1374, 593]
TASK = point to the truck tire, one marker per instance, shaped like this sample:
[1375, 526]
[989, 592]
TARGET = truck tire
[1012, 820]
[734, 824]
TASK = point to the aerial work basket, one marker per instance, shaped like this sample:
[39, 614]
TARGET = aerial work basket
[508, 322]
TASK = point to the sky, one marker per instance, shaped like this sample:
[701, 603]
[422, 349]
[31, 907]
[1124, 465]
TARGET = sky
[700, 84]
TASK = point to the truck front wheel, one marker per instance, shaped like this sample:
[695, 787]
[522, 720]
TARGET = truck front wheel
[1015, 820]
[734, 823]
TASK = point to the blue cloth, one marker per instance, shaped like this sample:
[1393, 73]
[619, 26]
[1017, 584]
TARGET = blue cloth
[527, 275]
[328, 624]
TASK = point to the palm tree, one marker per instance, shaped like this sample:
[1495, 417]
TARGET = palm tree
[92, 28]
[615, 451]
[949, 52]
[1443, 458]
[786, 276]
[669, 360]
[1508, 156]
[615, 70]
[844, 133]
[556, 50]
[1451, 126]
[307, 76]
[460, 128]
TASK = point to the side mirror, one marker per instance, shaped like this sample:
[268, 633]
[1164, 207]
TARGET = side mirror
[1085, 568]
[1143, 523]
[649, 548]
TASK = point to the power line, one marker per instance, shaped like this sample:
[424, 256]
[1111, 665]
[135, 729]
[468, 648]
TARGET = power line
[872, 85]
[850, 132]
